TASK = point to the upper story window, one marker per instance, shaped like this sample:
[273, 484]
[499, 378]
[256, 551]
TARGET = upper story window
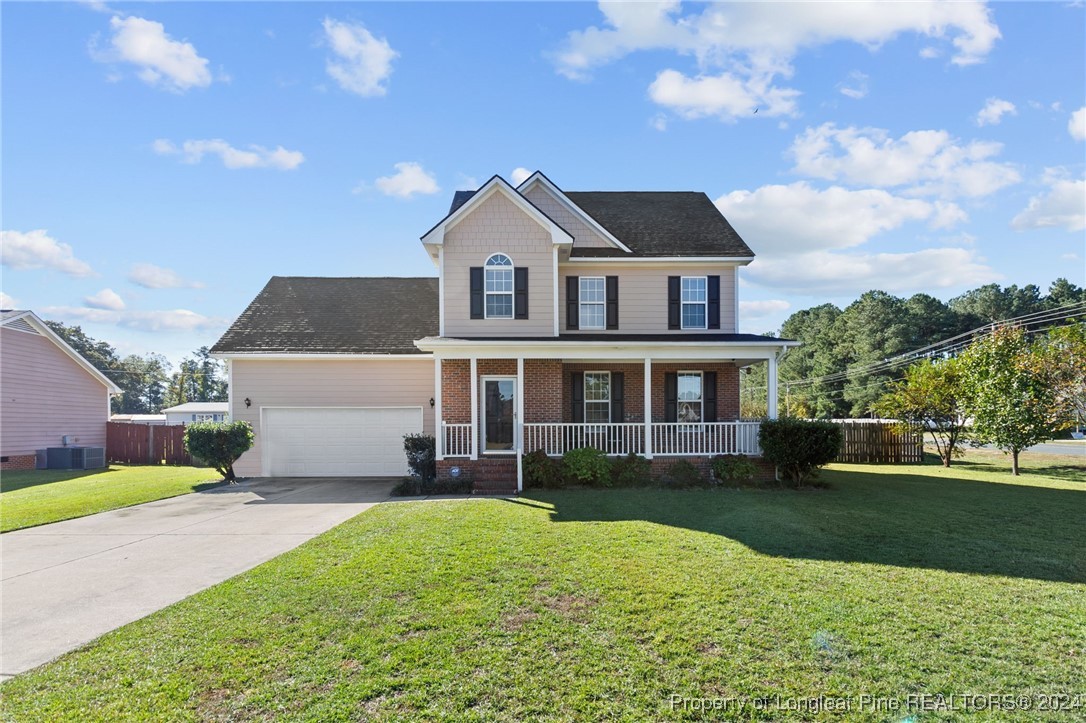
[499, 287]
[593, 298]
[694, 302]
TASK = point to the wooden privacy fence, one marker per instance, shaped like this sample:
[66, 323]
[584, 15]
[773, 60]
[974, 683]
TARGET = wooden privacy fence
[878, 441]
[146, 444]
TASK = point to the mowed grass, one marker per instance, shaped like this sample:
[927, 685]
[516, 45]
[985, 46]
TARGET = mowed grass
[35, 497]
[600, 605]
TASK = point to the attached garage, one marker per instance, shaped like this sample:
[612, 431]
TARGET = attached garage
[338, 441]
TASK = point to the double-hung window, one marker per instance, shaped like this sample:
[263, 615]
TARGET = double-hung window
[694, 302]
[592, 298]
[597, 397]
[499, 287]
[690, 399]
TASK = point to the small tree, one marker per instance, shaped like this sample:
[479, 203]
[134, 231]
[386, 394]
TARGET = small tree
[1065, 351]
[929, 398]
[797, 447]
[1011, 392]
[421, 453]
[219, 444]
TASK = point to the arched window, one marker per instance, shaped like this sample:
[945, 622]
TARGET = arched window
[499, 287]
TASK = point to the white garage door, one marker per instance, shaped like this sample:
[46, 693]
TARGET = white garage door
[338, 442]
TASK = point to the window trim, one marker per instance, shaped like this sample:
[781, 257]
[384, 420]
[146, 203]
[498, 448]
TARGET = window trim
[581, 303]
[512, 284]
[701, 397]
[704, 304]
[586, 401]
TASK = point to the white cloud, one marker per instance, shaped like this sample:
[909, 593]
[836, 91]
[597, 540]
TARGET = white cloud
[929, 53]
[174, 320]
[254, 156]
[519, 175]
[409, 179]
[753, 310]
[659, 122]
[1063, 205]
[466, 183]
[105, 299]
[362, 63]
[797, 218]
[994, 110]
[925, 162]
[7, 302]
[162, 61]
[726, 96]
[1071, 257]
[37, 250]
[855, 86]
[150, 276]
[1076, 126]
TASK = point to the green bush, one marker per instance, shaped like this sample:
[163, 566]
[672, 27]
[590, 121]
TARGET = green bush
[682, 474]
[798, 448]
[421, 456]
[219, 444]
[587, 466]
[633, 470]
[542, 472]
[417, 487]
[733, 468]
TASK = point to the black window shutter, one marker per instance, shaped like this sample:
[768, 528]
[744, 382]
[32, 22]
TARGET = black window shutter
[612, 302]
[714, 302]
[476, 292]
[671, 397]
[520, 293]
[618, 397]
[708, 396]
[576, 397]
[573, 292]
[674, 307]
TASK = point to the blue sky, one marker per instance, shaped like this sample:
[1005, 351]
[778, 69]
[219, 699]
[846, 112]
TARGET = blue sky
[162, 160]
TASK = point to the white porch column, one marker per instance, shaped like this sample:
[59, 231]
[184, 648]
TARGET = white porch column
[439, 423]
[771, 388]
[518, 427]
[474, 409]
[648, 408]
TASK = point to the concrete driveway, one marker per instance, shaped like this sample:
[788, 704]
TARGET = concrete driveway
[67, 583]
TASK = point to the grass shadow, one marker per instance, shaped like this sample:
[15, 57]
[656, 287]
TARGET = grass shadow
[21, 479]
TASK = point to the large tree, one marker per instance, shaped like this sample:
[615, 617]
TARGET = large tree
[199, 379]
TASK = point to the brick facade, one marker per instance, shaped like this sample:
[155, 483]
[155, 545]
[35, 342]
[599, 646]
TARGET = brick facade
[19, 461]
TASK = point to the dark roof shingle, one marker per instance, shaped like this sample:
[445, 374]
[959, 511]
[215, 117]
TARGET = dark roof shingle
[315, 315]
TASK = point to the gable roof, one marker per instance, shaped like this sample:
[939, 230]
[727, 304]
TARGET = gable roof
[318, 315]
[26, 321]
[206, 407]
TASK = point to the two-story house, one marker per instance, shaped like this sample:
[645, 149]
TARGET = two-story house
[557, 320]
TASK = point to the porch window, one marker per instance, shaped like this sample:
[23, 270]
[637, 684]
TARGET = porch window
[694, 302]
[691, 402]
[592, 300]
[597, 397]
[499, 287]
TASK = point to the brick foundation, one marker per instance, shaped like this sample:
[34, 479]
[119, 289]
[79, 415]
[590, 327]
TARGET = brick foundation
[487, 474]
[766, 471]
[20, 461]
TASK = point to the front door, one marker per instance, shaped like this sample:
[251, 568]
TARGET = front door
[499, 401]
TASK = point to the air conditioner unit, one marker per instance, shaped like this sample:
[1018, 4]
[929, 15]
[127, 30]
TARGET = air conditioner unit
[75, 457]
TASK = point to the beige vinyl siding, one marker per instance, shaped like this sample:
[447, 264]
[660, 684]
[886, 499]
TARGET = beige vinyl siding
[44, 395]
[321, 383]
[497, 225]
[642, 295]
[583, 234]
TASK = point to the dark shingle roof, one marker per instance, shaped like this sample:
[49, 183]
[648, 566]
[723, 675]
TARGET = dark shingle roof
[315, 315]
[459, 199]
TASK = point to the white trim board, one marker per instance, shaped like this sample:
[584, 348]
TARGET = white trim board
[539, 178]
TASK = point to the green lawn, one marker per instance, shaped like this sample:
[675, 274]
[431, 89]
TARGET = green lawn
[35, 497]
[590, 605]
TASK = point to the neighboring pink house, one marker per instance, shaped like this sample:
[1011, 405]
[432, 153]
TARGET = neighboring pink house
[47, 392]
[557, 320]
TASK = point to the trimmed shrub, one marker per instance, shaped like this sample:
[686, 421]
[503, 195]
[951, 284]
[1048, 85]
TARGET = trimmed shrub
[542, 472]
[633, 470]
[736, 468]
[219, 444]
[798, 447]
[682, 474]
[421, 456]
[416, 487]
[587, 466]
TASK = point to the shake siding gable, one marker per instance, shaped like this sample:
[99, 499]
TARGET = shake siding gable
[46, 395]
[497, 225]
[584, 236]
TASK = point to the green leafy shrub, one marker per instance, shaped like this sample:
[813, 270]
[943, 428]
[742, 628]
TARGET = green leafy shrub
[798, 447]
[737, 468]
[587, 466]
[682, 474]
[417, 487]
[219, 444]
[421, 456]
[633, 470]
[542, 472]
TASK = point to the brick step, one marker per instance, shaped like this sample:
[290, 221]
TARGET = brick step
[494, 489]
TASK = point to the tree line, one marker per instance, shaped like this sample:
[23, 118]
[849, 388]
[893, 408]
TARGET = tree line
[148, 382]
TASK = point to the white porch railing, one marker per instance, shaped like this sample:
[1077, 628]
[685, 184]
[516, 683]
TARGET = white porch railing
[558, 438]
[457, 439]
[677, 439]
